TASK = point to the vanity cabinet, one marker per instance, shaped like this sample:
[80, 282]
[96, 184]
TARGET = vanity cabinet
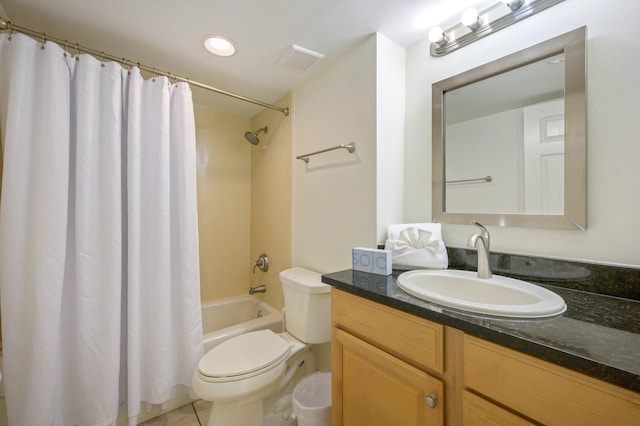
[390, 367]
[385, 365]
[477, 411]
[541, 391]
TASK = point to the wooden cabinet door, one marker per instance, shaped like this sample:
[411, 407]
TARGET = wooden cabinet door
[374, 388]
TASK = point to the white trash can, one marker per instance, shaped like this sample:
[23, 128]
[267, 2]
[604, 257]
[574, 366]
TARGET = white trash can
[312, 400]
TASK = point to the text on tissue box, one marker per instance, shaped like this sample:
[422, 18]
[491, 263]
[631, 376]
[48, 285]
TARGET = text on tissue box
[372, 260]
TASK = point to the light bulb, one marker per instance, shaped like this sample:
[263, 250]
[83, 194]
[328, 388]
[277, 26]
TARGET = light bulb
[471, 19]
[436, 35]
[513, 4]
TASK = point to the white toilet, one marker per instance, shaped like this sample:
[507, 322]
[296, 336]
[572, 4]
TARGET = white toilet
[250, 378]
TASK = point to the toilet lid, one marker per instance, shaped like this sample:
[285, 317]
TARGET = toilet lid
[245, 354]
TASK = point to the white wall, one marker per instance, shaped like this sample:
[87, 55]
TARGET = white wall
[485, 146]
[335, 194]
[390, 100]
[613, 127]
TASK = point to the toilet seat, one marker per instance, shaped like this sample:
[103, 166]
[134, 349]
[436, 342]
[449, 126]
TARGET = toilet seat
[244, 356]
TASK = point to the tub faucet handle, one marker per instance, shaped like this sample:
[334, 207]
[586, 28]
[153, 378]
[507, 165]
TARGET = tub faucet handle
[262, 263]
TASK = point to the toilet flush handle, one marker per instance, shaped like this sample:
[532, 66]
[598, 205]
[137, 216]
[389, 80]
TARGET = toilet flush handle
[262, 263]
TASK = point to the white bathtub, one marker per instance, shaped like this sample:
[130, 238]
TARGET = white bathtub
[225, 318]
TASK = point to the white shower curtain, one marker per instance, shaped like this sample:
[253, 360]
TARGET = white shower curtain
[99, 274]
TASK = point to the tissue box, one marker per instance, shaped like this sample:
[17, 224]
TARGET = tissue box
[374, 261]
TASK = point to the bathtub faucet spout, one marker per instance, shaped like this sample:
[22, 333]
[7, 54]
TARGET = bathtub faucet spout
[258, 289]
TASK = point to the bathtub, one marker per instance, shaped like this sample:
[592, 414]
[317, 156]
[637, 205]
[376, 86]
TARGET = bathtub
[225, 318]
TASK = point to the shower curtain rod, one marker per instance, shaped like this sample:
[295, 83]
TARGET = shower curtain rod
[5, 24]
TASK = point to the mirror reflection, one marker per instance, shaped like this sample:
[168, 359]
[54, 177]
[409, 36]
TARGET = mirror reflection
[505, 152]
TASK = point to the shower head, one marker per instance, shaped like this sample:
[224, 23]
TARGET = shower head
[252, 137]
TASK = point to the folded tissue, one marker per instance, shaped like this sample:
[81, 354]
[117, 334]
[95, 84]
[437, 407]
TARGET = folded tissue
[417, 245]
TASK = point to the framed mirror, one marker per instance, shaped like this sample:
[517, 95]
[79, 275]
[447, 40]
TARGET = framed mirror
[510, 137]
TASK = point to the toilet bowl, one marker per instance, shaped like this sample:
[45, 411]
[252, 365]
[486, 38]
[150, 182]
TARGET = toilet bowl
[249, 378]
[241, 368]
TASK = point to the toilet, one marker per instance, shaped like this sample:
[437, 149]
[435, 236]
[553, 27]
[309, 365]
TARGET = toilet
[250, 378]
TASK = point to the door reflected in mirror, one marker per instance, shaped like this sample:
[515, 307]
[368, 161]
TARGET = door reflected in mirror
[509, 139]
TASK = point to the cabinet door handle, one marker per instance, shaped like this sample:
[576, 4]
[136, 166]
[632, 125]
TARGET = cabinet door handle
[431, 401]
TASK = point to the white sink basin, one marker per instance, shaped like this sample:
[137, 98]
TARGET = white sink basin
[499, 296]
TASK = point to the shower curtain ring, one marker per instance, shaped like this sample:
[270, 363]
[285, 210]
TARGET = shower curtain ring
[44, 40]
[77, 52]
[66, 42]
[153, 78]
[102, 59]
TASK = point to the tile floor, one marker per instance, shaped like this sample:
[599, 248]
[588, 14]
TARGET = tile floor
[195, 414]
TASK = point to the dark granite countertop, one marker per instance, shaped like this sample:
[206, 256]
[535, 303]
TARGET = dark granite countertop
[598, 335]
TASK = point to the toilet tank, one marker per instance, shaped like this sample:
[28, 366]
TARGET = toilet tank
[307, 302]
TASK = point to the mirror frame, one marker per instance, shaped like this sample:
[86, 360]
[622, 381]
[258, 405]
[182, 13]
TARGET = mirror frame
[573, 45]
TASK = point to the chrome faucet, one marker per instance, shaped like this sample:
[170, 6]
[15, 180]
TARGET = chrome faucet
[480, 242]
[258, 289]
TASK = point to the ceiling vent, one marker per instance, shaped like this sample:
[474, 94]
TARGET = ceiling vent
[299, 58]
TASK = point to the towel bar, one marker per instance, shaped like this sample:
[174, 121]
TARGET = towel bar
[351, 147]
[476, 180]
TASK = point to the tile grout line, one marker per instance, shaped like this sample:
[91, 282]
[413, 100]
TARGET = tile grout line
[196, 413]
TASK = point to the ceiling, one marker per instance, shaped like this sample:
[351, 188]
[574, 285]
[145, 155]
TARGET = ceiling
[168, 34]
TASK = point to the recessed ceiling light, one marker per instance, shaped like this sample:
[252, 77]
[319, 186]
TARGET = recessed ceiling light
[220, 45]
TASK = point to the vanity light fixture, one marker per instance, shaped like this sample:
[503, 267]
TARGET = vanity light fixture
[436, 35]
[471, 19]
[220, 45]
[475, 25]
